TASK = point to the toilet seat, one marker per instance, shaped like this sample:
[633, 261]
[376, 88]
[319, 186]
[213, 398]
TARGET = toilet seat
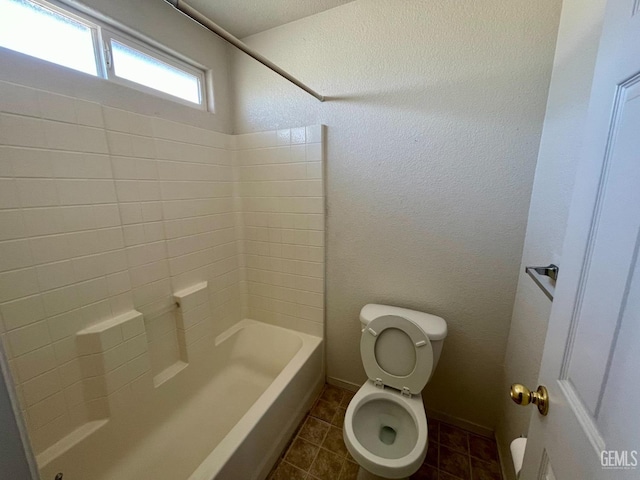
[380, 347]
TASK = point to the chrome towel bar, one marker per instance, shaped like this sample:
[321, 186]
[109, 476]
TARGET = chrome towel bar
[545, 278]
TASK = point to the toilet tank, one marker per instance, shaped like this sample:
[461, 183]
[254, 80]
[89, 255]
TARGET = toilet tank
[434, 327]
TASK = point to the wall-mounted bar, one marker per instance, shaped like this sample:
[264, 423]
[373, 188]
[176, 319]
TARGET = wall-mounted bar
[206, 22]
[545, 278]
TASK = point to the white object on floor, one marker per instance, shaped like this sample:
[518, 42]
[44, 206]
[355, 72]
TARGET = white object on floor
[518, 447]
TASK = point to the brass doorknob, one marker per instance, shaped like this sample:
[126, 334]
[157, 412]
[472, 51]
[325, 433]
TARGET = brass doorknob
[523, 396]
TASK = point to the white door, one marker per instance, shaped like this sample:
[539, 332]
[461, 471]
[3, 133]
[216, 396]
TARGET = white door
[591, 361]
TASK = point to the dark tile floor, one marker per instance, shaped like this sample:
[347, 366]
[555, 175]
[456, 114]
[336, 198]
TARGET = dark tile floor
[457, 454]
[317, 451]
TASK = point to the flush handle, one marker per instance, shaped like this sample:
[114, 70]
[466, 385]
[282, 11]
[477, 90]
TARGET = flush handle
[523, 396]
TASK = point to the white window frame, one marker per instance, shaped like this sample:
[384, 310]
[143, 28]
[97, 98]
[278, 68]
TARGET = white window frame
[102, 31]
[107, 35]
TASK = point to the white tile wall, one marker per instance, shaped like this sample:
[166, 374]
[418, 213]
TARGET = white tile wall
[104, 210]
[280, 185]
[85, 194]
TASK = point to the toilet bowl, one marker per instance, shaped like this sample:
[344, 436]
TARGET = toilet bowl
[385, 425]
[386, 432]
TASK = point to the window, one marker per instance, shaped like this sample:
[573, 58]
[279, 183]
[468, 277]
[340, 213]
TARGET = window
[67, 42]
[138, 66]
[59, 36]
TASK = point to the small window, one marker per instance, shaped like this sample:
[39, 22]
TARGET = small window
[32, 29]
[139, 67]
[45, 31]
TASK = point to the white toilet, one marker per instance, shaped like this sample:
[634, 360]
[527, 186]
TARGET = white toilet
[385, 426]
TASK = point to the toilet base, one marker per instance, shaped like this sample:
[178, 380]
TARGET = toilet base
[366, 475]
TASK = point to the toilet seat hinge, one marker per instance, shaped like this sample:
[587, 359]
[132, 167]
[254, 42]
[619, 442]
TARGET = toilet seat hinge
[405, 392]
[378, 383]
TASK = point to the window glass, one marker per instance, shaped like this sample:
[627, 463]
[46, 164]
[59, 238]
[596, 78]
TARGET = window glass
[29, 28]
[138, 67]
[36, 28]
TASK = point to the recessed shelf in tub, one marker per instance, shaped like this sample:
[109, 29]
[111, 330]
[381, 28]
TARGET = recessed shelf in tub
[174, 330]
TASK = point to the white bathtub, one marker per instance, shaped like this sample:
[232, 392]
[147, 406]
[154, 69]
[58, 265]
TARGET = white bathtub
[227, 415]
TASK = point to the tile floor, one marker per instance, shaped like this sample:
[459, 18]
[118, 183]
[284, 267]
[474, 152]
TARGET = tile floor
[317, 451]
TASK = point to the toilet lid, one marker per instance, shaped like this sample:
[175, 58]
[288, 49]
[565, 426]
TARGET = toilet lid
[396, 351]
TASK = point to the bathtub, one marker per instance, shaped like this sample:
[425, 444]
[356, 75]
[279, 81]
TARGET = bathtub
[228, 415]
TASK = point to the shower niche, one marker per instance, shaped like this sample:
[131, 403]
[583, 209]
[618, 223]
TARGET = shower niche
[172, 332]
[166, 355]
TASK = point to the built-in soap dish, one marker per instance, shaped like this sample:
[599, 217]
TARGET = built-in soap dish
[174, 330]
[167, 356]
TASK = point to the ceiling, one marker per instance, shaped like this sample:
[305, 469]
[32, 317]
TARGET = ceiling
[246, 17]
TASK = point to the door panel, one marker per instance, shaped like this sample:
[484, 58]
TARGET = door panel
[611, 250]
[591, 362]
[622, 386]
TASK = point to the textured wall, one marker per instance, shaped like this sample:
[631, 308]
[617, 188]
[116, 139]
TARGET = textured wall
[569, 91]
[434, 123]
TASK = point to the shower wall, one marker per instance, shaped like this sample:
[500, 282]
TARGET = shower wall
[282, 202]
[103, 211]
[109, 217]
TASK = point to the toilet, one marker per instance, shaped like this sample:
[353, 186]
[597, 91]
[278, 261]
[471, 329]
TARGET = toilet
[385, 425]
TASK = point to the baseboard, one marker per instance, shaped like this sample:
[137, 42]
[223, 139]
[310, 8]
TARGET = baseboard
[459, 422]
[352, 387]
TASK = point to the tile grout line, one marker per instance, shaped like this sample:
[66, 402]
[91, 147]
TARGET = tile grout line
[323, 438]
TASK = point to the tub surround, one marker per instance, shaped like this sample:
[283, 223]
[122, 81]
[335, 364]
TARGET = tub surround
[280, 187]
[108, 219]
[103, 211]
